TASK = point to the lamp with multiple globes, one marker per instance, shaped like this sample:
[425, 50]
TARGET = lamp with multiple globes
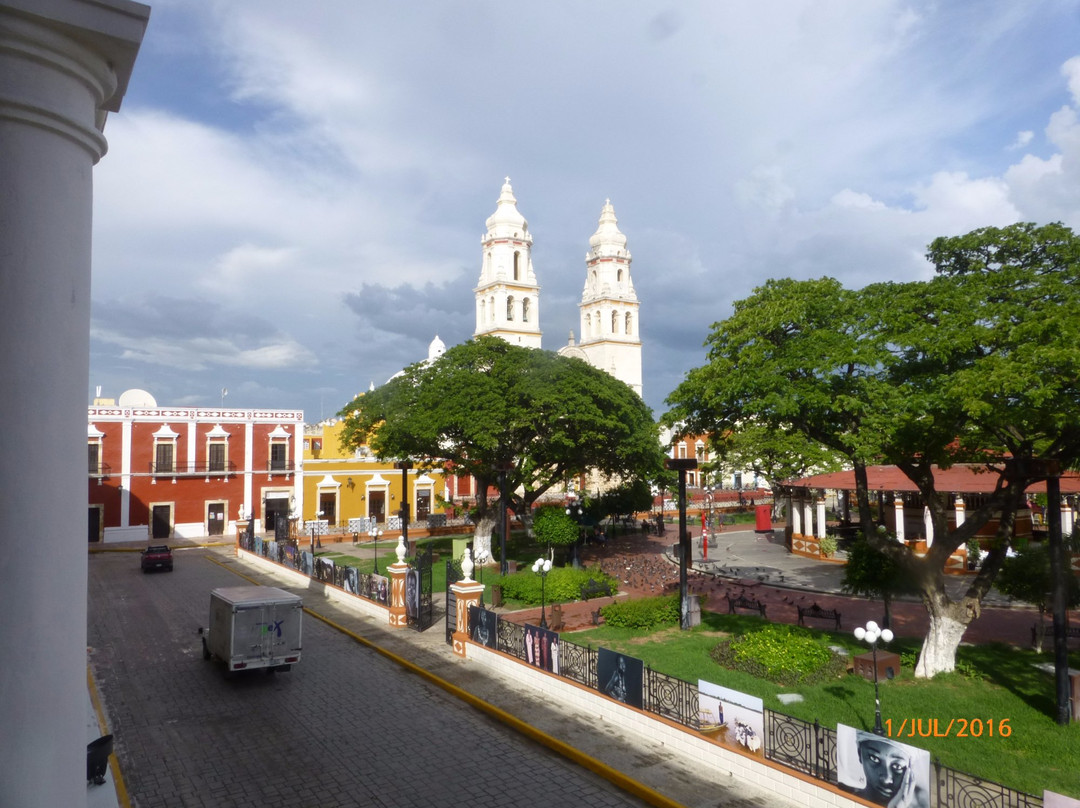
[374, 533]
[542, 566]
[870, 635]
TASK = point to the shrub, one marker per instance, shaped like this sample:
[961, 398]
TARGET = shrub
[828, 546]
[643, 612]
[552, 526]
[782, 654]
[563, 584]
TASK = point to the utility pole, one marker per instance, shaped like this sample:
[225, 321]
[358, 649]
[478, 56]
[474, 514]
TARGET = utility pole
[404, 465]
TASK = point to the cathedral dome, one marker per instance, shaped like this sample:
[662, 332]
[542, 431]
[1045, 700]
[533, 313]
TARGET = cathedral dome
[436, 349]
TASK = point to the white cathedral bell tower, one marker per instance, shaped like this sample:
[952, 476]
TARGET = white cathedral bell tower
[507, 295]
[610, 336]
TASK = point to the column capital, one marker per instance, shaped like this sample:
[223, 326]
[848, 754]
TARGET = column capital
[65, 64]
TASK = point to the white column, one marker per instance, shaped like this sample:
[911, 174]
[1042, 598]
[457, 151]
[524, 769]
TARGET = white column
[928, 525]
[960, 515]
[125, 473]
[249, 461]
[898, 509]
[821, 517]
[1066, 517]
[808, 516]
[62, 65]
[796, 517]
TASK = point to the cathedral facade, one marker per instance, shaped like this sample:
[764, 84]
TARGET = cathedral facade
[508, 294]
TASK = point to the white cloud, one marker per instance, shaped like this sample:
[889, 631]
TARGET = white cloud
[1022, 139]
[1071, 71]
[852, 199]
[969, 202]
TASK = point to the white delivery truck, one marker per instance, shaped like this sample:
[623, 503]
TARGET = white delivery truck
[253, 627]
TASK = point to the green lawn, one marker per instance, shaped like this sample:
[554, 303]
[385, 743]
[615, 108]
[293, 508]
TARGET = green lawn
[1004, 686]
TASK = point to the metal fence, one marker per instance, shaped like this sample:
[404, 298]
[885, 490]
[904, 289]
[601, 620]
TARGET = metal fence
[804, 746]
[348, 579]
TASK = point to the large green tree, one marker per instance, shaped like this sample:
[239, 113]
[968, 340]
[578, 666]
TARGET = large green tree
[487, 405]
[979, 364]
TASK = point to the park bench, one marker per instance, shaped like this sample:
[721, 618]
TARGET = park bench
[815, 612]
[743, 602]
[594, 588]
[1071, 633]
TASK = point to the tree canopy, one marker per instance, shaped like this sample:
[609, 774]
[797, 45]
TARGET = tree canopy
[487, 405]
[979, 364]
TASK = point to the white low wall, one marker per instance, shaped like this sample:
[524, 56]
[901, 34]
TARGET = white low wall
[687, 744]
[132, 533]
[318, 588]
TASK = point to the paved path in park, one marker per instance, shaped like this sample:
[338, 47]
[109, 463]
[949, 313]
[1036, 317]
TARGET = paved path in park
[759, 566]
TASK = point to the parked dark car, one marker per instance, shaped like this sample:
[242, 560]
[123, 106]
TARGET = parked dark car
[157, 557]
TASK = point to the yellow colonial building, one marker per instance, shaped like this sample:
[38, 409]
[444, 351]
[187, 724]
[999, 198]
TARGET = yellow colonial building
[348, 491]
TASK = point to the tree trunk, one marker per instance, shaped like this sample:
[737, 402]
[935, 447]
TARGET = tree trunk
[482, 534]
[948, 622]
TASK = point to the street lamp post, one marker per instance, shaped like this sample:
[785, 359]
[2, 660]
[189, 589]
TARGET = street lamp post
[871, 634]
[481, 559]
[502, 469]
[374, 533]
[573, 510]
[682, 465]
[542, 566]
[404, 465]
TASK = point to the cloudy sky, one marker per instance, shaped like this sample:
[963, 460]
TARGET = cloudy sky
[294, 195]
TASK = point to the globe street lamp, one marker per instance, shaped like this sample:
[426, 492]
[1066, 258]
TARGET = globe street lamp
[573, 510]
[374, 533]
[542, 566]
[871, 634]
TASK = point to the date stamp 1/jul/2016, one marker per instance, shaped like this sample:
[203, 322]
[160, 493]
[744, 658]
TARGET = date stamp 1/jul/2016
[953, 728]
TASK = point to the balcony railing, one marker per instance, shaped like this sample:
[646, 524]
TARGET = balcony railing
[102, 470]
[192, 468]
[280, 466]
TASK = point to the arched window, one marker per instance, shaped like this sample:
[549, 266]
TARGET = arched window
[510, 307]
[629, 323]
[618, 275]
[517, 266]
[587, 331]
[525, 309]
[614, 322]
[483, 311]
[492, 308]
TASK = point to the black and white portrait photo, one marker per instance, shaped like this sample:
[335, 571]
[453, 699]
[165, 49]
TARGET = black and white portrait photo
[482, 626]
[881, 770]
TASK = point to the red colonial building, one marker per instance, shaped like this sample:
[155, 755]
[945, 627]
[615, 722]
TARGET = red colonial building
[185, 472]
